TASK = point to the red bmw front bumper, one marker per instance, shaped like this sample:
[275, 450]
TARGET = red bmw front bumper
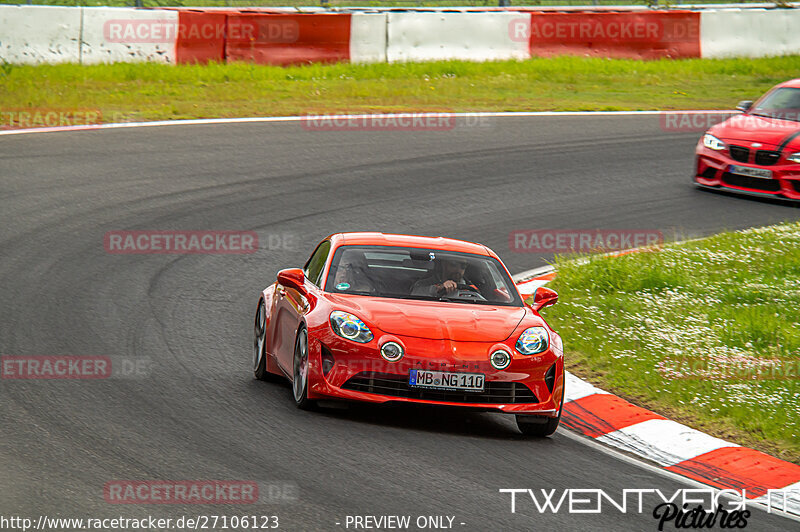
[713, 170]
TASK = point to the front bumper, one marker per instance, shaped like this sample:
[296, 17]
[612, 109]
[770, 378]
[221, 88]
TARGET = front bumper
[359, 373]
[711, 170]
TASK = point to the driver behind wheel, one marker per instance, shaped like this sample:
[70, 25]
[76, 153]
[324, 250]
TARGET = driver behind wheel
[448, 274]
[353, 274]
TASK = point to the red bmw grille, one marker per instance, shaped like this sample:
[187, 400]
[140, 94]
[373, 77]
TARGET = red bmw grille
[739, 153]
[767, 157]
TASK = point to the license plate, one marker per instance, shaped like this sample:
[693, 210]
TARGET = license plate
[750, 172]
[445, 380]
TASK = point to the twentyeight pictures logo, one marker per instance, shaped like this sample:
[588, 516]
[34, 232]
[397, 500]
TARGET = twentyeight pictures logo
[189, 242]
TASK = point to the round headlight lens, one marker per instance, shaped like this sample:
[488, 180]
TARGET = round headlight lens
[533, 340]
[500, 359]
[713, 143]
[392, 351]
[350, 327]
[795, 157]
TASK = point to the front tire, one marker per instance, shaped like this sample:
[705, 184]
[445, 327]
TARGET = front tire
[536, 426]
[539, 426]
[259, 341]
[300, 372]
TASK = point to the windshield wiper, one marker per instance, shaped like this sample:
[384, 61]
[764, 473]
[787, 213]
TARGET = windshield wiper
[358, 293]
[775, 116]
[448, 299]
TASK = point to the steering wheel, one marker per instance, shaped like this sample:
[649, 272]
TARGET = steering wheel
[466, 291]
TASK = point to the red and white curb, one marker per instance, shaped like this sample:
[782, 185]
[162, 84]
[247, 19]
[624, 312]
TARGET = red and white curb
[613, 421]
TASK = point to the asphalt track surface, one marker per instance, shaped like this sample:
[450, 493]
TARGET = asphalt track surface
[197, 413]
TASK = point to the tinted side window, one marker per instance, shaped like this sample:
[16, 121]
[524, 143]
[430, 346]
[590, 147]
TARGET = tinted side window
[315, 265]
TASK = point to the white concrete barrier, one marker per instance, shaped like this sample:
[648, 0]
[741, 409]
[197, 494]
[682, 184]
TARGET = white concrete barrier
[368, 38]
[467, 36]
[114, 35]
[39, 34]
[749, 32]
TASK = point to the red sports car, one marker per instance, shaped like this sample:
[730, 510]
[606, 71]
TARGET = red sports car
[377, 318]
[758, 151]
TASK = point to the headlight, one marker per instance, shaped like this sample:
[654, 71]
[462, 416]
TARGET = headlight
[713, 143]
[350, 327]
[532, 341]
[795, 157]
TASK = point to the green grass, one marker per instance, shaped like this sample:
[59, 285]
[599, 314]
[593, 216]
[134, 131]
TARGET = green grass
[706, 332]
[147, 91]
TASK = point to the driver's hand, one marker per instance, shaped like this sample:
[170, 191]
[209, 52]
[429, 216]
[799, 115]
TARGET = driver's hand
[450, 286]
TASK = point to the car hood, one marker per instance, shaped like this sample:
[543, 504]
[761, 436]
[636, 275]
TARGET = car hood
[461, 322]
[751, 128]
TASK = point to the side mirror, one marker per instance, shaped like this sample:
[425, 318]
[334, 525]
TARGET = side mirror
[544, 297]
[744, 105]
[292, 278]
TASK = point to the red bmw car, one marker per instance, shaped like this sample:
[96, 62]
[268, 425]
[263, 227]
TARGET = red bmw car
[758, 151]
[384, 318]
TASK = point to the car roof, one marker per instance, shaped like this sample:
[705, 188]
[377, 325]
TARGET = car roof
[413, 241]
[794, 83]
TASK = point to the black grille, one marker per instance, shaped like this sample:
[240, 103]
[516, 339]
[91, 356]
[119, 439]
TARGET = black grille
[550, 378]
[397, 386]
[755, 183]
[796, 186]
[710, 173]
[767, 157]
[739, 153]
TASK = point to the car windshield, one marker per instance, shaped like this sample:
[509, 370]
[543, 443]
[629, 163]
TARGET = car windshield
[782, 103]
[417, 273]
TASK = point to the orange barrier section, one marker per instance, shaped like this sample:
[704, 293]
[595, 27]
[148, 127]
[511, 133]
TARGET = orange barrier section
[264, 37]
[201, 36]
[636, 35]
[284, 39]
